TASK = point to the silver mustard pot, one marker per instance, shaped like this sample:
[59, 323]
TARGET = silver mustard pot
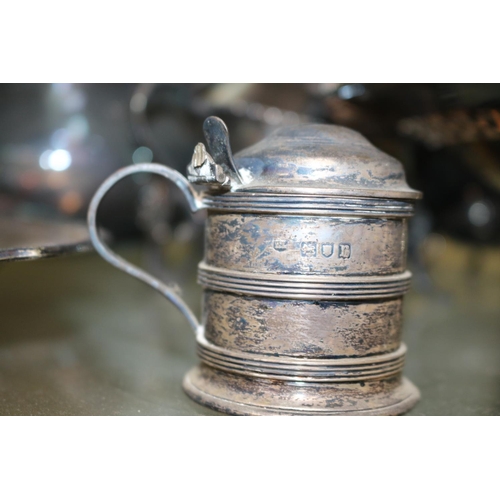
[304, 272]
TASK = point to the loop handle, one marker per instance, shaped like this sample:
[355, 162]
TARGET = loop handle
[195, 204]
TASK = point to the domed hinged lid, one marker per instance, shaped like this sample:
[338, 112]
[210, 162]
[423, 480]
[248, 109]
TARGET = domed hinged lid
[321, 159]
[307, 159]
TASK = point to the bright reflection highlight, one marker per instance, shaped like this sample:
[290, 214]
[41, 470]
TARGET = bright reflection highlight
[44, 159]
[57, 160]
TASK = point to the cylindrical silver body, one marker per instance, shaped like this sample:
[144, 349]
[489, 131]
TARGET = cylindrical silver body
[304, 274]
[305, 285]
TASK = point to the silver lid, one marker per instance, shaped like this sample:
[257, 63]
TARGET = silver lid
[307, 159]
[321, 159]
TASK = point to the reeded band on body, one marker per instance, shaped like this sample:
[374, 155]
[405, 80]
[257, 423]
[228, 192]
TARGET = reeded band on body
[302, 369]
[235, 202]
[305, 287]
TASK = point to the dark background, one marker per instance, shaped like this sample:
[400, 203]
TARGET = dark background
[78, 337]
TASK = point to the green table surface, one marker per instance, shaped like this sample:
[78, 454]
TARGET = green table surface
[78, 337]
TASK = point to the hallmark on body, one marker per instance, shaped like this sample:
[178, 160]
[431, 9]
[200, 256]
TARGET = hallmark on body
[315, 248]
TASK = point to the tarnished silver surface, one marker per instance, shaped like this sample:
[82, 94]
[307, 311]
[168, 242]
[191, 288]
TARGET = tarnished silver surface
[304, 273]
[241, 395]
[322, 160]
[296, 369]
[304, 287]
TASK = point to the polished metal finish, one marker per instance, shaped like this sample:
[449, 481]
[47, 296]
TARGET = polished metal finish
[307, 204]
[203, 169]
[217, 137]
[304, 273]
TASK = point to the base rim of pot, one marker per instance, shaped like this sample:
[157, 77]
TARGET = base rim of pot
[239, 395]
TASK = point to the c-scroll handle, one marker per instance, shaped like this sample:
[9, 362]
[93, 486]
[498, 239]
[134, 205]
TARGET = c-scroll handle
[195, 204]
